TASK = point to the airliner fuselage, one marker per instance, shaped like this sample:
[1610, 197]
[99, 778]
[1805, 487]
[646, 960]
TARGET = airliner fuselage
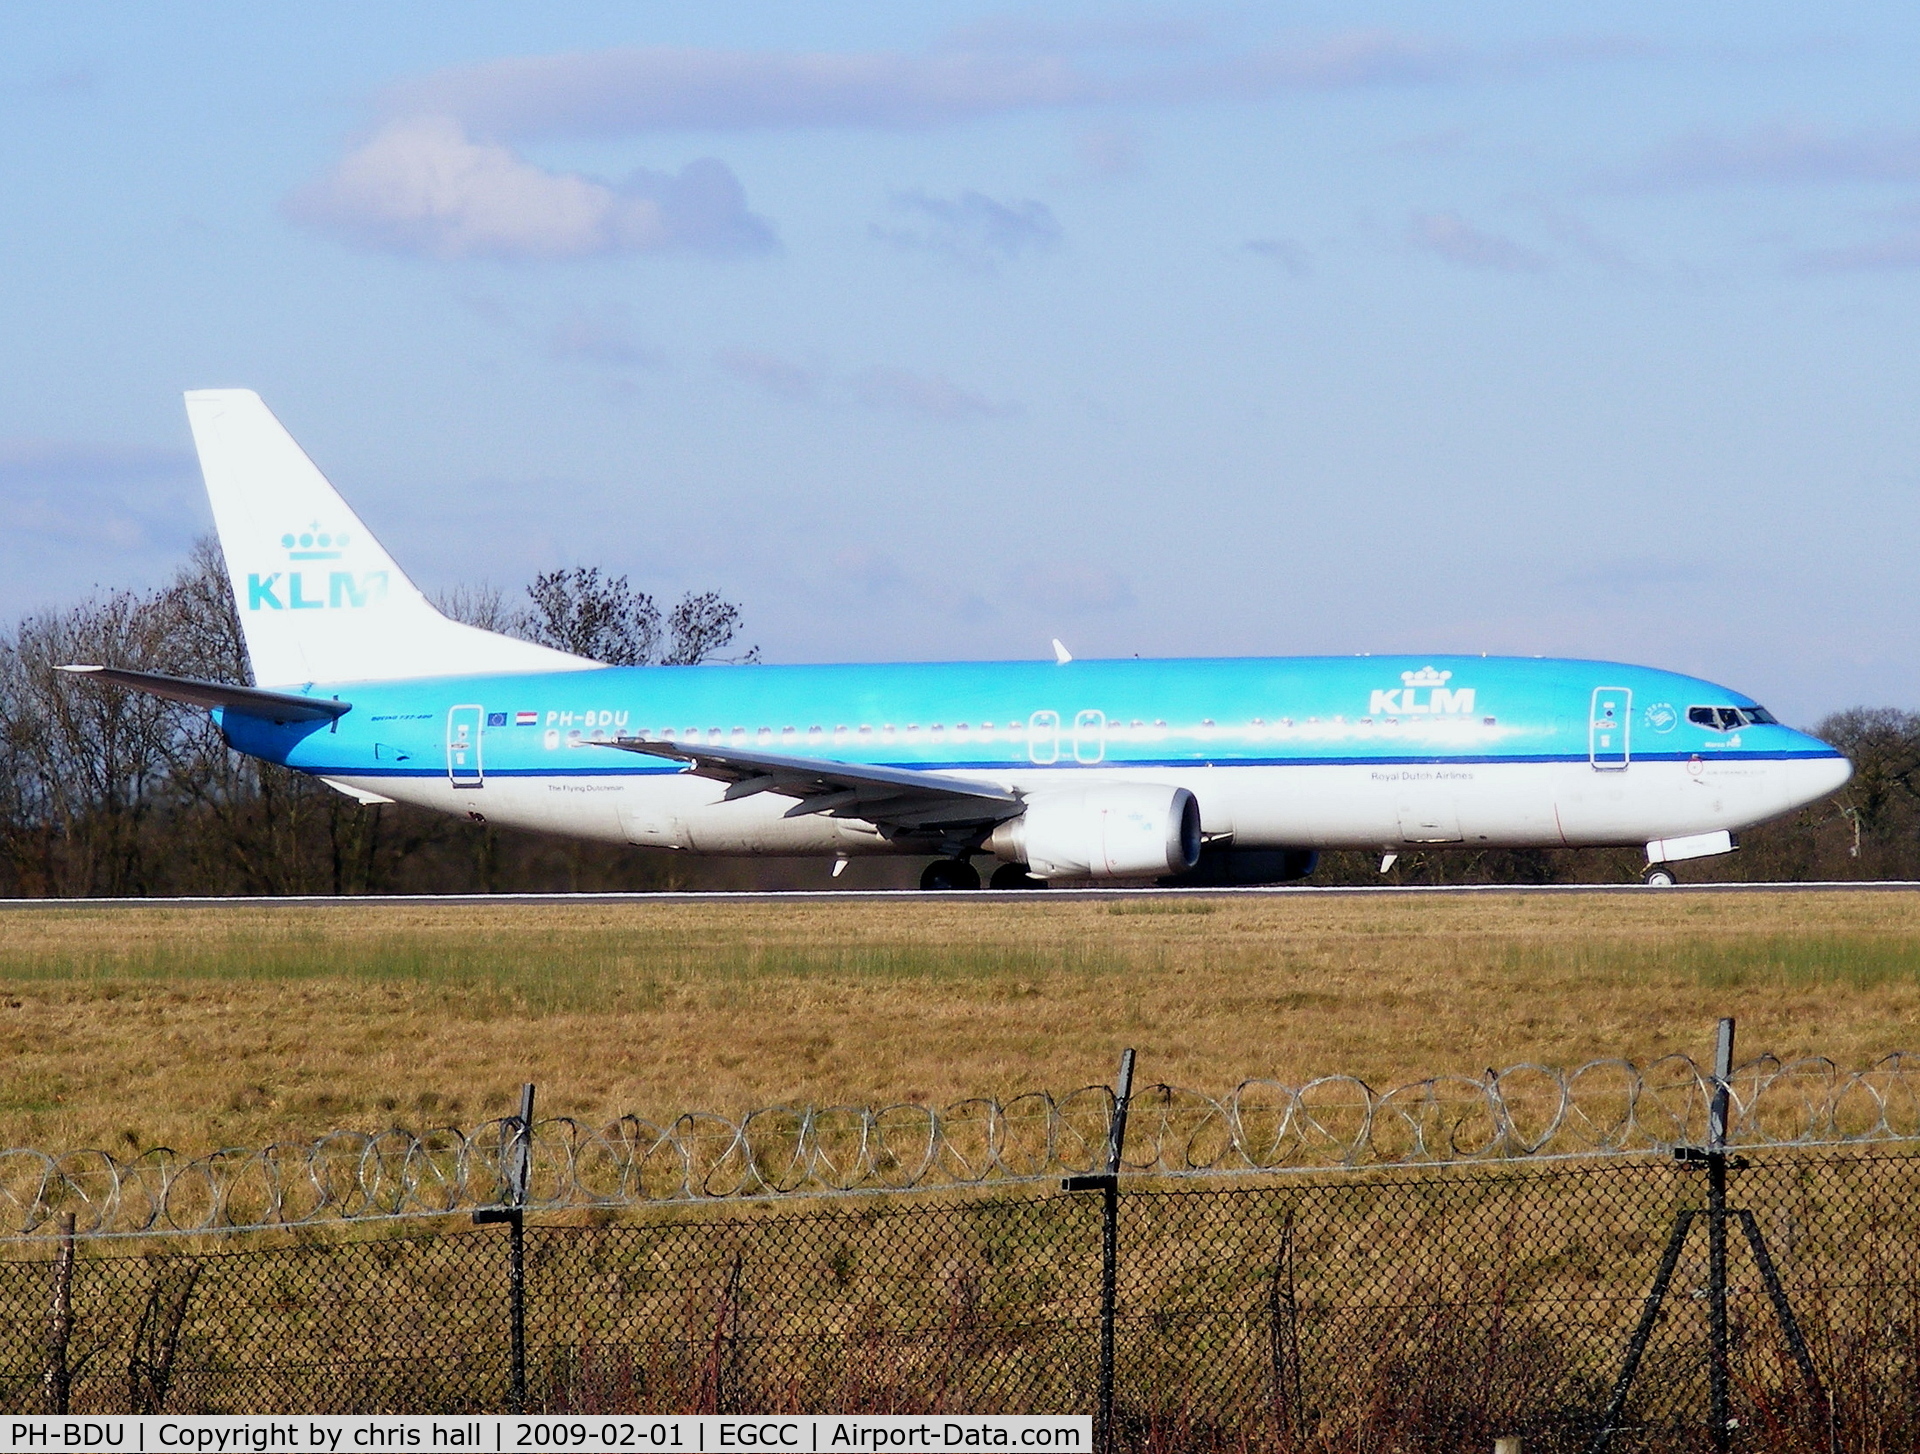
[1295, 753]
[1213, 770]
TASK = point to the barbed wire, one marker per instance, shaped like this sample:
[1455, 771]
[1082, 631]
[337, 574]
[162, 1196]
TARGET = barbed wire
[1605, 1107]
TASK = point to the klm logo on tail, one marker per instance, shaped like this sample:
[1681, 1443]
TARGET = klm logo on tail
[303, 590]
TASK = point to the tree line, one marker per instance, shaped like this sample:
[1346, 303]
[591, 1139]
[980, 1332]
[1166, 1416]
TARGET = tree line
[105, 792]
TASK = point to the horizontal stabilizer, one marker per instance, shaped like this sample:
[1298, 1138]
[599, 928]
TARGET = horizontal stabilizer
[273, 706]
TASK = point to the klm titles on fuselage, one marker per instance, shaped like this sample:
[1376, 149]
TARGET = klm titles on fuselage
[1405, 699]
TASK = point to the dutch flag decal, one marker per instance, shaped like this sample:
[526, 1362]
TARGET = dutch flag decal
[525, 719]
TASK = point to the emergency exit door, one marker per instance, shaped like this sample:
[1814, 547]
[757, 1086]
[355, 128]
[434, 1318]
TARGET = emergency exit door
[463, 746]
[1608, 728]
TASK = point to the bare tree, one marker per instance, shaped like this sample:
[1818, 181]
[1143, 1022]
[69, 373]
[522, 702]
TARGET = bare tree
[603, 618]
[591, 615]
[1884, 743]
[700, 628]
[483, 605]
[86, 766]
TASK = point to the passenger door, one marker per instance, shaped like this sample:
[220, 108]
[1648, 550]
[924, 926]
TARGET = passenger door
[1043, 738]
[1089, 737]
[1609, 724]
[464, 725]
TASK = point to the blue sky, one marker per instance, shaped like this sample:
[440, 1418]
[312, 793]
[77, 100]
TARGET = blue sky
[937, 331]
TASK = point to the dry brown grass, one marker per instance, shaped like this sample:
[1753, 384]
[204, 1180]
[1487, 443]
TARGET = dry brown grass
[196, 1028]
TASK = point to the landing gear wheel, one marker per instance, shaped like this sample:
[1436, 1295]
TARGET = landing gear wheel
[1659, 876]
[950, 873]
[1014, 876]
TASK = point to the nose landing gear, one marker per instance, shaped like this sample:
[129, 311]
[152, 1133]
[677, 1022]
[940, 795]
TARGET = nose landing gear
[1659, 876]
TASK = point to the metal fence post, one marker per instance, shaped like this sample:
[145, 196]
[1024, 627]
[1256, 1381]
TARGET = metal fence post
[1717, 1237]
[517, 1163]
[59, 1378]
[1107, 1183]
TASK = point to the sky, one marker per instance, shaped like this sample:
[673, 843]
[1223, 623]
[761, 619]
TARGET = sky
[937, 331]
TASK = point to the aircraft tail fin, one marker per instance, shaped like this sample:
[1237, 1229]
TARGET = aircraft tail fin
[320, 600]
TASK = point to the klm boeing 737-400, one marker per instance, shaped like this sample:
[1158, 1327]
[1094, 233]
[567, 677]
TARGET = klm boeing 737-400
[1232, 771]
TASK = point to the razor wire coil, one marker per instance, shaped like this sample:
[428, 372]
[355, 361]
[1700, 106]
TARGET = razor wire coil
[1601, 1108]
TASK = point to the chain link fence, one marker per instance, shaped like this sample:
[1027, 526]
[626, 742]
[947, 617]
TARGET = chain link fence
[1379, 1308]
[1605, 1107]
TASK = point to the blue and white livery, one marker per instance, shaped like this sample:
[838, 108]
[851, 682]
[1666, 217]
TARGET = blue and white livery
[1202, 771]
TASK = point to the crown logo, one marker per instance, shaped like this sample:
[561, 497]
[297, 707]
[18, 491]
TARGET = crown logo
[313, 543]
[1425, 677]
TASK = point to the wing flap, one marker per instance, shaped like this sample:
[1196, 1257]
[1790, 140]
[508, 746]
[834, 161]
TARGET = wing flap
[897, 797]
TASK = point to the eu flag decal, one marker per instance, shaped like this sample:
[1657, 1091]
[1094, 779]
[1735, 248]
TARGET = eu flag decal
[496, 719]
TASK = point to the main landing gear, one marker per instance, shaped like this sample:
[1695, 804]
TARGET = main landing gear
[1659, 876]
[957, 873]
[950, 873]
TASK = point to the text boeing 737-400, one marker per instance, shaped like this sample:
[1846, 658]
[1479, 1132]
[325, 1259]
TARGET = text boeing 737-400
[1232, 771]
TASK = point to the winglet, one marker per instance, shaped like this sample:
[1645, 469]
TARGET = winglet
[1060, 654]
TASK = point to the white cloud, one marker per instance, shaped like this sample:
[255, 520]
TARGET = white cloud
[933, 395]
[1785, 152]
[1109, 151]
[53, 461]
[872, 572]
[1900, 250]
[652, 88]
[1284, 251]
[603, 335]
[1448, 235]
[127, 497]
[1350, 59]
[423, 186]
[971, 229]
[1071, 589]
[1108, 32]
[992, 70]
[441, 177]
[776, 375]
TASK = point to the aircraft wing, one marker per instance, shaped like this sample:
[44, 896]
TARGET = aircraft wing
[274, 706]
[890, 796]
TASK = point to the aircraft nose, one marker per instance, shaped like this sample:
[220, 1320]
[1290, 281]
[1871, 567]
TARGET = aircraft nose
[1812, 778]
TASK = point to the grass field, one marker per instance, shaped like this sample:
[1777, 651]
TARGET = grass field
[198, 1028]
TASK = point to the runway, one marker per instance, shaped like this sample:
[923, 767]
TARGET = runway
[891, 896]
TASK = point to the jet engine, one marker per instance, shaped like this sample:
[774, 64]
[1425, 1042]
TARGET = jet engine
[1120, 830]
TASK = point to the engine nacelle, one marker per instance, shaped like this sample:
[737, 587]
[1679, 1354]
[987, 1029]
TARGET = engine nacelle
[1119, 830]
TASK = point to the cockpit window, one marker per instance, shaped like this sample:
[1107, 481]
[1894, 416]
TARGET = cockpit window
[1730, 719]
